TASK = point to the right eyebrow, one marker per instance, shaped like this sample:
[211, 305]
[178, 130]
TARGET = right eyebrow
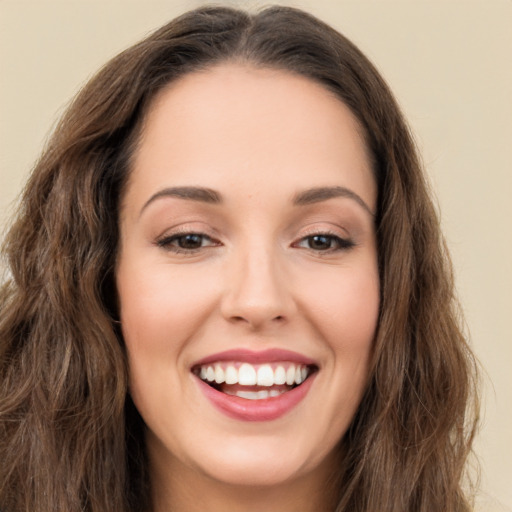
[201, 194]
[319, 194]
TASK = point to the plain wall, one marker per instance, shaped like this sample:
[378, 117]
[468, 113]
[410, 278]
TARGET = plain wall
[449, 64]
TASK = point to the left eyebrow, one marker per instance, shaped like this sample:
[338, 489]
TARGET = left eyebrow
[201, 194]
[319, 194]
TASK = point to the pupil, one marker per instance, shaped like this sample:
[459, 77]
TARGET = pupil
[190, 241]
[320, 242]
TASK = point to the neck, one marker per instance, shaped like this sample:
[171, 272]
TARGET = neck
[184, 496]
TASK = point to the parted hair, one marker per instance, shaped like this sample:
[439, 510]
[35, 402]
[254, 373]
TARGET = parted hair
[70, 437]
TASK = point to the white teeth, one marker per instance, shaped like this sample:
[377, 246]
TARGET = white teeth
[290, 376]
[249, 395]
[255, 395]
[231, 375]
[247, 375]
[219, 374]
[279, 375]
[265, 376]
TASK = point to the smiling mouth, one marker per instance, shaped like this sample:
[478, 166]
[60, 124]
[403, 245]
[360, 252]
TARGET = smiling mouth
[254, 381]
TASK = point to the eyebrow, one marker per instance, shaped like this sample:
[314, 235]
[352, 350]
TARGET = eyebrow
[200, 194]
[319, 194]
[304, 198]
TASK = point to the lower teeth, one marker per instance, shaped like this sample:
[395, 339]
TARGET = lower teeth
[255, 395]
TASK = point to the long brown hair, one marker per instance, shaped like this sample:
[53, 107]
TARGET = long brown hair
[70, 439]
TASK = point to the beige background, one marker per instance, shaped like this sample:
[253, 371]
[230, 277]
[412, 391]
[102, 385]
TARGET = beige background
[449, 63]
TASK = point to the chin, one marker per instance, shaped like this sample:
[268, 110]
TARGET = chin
[260, 463]
[268, 473]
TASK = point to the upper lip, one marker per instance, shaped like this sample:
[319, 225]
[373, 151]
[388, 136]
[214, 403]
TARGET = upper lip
[272, 355]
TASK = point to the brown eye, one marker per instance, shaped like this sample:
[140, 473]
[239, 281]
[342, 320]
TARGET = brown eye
[323, 242]
[186, 242]
[190, 241]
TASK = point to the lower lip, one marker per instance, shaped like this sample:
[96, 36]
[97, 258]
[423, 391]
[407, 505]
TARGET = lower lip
[267, 409]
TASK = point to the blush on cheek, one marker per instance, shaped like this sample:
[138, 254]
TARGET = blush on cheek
[347, 304]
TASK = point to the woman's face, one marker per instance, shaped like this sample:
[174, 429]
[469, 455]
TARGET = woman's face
[247, 276]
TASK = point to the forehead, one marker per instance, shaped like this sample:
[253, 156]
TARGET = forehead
[216, 93]
[238, 122]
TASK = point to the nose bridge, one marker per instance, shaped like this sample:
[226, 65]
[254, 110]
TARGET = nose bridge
[256, 288]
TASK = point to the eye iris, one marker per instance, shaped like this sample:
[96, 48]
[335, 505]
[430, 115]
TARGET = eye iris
[320, 242]
[190, 241]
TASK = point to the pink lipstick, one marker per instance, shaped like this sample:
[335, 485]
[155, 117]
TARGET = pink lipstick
[255, 385]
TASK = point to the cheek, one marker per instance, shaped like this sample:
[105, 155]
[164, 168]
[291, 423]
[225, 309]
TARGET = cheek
[359, 300]
[159, 305]
[344, 306]
[344, 311]
[160, 310]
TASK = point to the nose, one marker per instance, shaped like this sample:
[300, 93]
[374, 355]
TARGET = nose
[257, 291]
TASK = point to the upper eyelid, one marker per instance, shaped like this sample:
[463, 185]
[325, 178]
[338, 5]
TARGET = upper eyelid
[187, 229]
[317, 227]
[331, 230]
[345, 242]
[167, 243]
[177, 235]
[213, 234]
[168, 239]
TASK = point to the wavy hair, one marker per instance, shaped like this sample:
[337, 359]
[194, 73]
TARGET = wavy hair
[70, 438]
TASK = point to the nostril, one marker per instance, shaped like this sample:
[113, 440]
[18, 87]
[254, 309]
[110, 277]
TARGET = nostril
[240, 318]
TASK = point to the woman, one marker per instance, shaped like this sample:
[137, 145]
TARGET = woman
[229, 289]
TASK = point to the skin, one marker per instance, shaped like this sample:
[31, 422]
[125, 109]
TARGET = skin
[257, 280]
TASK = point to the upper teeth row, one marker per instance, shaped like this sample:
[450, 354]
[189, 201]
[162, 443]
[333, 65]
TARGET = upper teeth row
[250, 375]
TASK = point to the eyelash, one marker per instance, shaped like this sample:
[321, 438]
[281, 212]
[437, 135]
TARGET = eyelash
[171, 242]
[341, 244]
[167, 242]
